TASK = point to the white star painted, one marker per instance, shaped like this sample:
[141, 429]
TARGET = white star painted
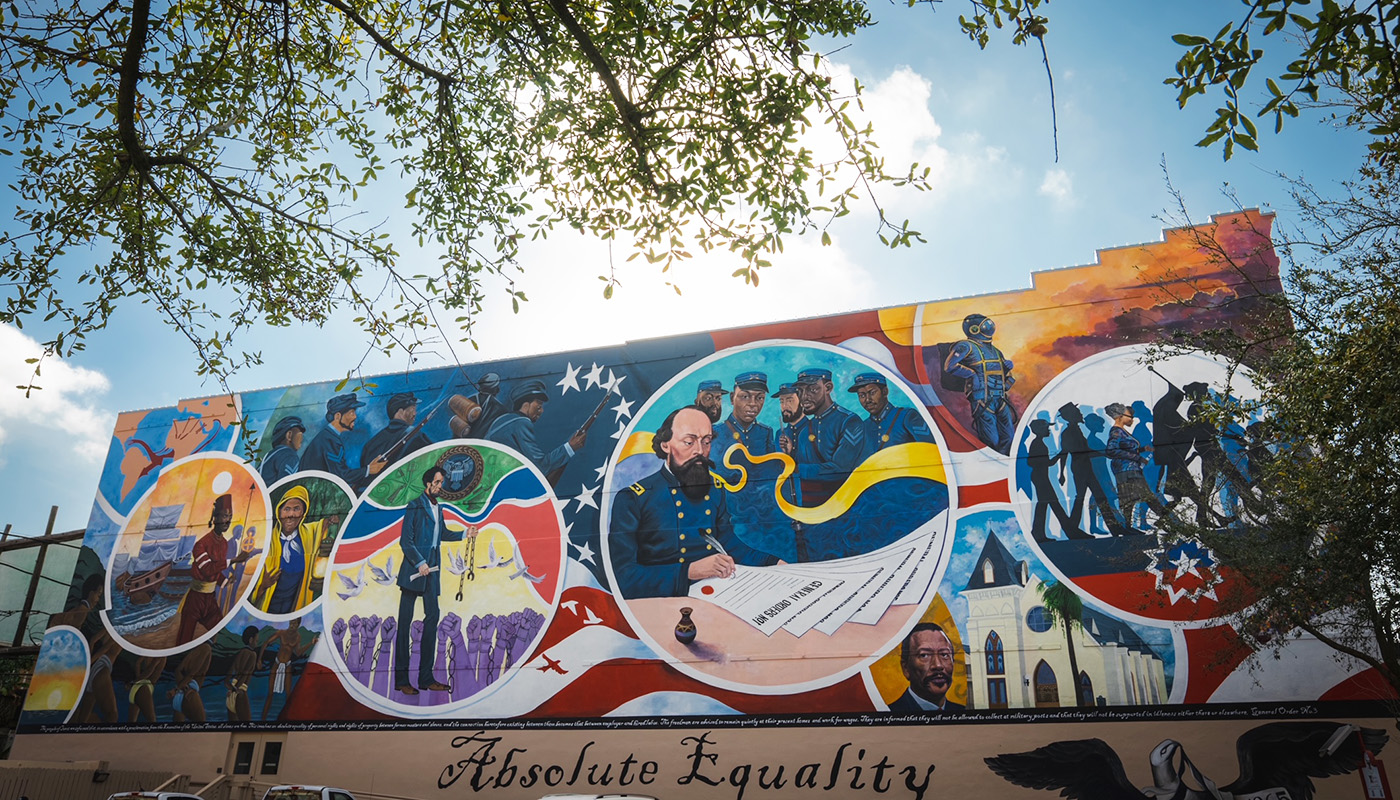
[621, 428]
[1185, 565]
[568, 526]
[594, 377]
[570, 379]
[562, 504]
[622, 409]
[602, 470]
[586, 499]
[1158, 563]
[613, 381]
[585, 553]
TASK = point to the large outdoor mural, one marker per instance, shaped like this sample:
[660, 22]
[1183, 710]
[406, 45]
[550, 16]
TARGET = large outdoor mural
[856, 517]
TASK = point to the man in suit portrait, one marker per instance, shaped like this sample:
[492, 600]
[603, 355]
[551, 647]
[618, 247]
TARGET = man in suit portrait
[423, 532]
[926, 656]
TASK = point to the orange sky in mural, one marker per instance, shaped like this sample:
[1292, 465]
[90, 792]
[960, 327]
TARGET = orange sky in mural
[1130, 288]
[192, 485]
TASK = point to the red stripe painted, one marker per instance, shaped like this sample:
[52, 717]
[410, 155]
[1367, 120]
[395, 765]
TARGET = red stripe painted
[1137, 593]
[994, 492]
[1365, 685]
[612, 683]
[352, 552]
[566, 622]
[318, 695]
[1212, 654]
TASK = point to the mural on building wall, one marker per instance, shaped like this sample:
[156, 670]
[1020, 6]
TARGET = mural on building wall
[866, 515]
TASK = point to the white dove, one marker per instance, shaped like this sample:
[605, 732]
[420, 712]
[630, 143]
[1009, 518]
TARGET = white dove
[456, 564]
[494, 560]
[383, 577]
[355, 587]
[524, 572]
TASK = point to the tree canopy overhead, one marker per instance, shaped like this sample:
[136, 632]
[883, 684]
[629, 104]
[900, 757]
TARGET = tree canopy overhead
[207, 157]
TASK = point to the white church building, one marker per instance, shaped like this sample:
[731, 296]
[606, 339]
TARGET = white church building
[1017, 655]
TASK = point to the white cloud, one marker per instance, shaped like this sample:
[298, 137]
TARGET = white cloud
[63, 404]
[567, 310]
[1058, 185]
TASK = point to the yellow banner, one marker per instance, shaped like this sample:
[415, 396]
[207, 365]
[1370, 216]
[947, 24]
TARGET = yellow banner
[911, 460]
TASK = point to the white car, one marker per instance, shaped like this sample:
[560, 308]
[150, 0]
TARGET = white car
[154, 796]
[307, 793]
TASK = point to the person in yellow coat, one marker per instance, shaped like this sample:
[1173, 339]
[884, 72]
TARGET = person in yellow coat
[285, 584]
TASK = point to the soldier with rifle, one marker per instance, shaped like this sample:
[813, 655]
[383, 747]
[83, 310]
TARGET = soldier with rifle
[516, 429]
[400, 437]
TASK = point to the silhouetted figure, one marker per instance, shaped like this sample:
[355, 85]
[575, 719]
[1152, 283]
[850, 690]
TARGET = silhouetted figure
[1171, 445]
[1047, 497]
[1079, 456]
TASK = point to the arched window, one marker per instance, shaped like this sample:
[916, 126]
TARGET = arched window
[1047, 689]
[988, 576]
[996, 660]
[1086, 690]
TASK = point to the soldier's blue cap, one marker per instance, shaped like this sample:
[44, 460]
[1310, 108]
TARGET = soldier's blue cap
[868, 379]
[787, 388]
[401, 401]
[750, 380]
[526, 391]
[284, 426]
[710, 386]
[340, 404]
[813, 374]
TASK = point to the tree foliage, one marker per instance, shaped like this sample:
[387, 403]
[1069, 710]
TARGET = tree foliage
[1346, 47]
[217, 159]
[1067, 610]
[1316, 529]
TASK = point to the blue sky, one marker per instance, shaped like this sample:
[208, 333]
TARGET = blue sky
[1000, 208]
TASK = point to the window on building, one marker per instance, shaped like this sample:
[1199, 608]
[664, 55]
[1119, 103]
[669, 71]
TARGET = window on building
[988, 576]
[272, 758]
[243, 758]
[996, 661]
[1039, 620]
[1086, 690]
[996, 693]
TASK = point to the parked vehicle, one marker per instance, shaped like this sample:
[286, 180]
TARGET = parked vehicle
[154, 796]
[307, 793]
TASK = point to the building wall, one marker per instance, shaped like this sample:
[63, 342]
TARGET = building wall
[255, 557]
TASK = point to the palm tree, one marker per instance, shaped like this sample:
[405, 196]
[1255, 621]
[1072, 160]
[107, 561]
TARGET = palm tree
[1065, 607]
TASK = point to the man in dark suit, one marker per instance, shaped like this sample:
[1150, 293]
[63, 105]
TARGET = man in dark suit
[926, 656]
[423, 531]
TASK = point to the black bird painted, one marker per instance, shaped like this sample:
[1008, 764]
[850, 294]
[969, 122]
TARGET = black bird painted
[1279, 755]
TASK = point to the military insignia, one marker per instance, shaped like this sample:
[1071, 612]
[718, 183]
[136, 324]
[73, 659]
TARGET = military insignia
[462, 468]
[736, 437]
[811, 437]
[637, 489]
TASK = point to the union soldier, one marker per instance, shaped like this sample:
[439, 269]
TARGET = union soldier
[327, 451]
[395, 441]
[516, 429]
[830, 440]
[888, 424]
[709, 397]
[742, 425]
[672, 528]
[282, 459]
